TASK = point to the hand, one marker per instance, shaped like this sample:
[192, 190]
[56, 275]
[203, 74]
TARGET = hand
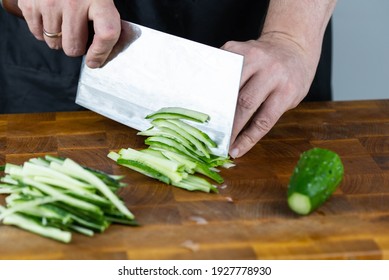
[71, 18]
[277, 74]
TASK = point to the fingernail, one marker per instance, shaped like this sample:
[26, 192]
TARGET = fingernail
[234, 152]
[93, 64]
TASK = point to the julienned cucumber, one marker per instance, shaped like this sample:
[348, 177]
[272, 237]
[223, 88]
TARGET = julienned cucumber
[178, 153]
[54, 196]
[315, 178]
[178, 113]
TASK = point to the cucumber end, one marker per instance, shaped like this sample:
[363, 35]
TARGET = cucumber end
[299, 203]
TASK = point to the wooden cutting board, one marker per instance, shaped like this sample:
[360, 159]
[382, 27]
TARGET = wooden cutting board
[249, 218]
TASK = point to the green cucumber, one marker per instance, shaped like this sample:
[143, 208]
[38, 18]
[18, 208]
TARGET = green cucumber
[171, 134]
[200, 146]
[314, 179]
[197, 133]
[170, 169]
[179, 113]
[172, 141]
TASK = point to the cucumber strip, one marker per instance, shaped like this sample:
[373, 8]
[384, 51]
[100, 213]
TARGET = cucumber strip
[15, 171]
[9, 180]
[22, 206]
[170, 169]
[144, 169]
[196, 142]
[32, 226]
[174, 145]
[195, 132]
[8, 189]
[179, 113]
[124, 221]
[81, 193]
[155, 153]
[72, 168]
[201, 181]
[63, 197]
[108, 179]
[51, 158]
[82, 230]
[139, 167]
[30, 169]
[205, 170]
[41, 211]
[63, 184]
[194, 166]
[189, 164]
[169, 133]
[147, 158]
[193, 183]
[39, 161]
[89, 224]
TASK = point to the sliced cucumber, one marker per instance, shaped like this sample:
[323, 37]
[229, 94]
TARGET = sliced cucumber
[32, 226]
[168, 168]
[52, 197]
[179, 113]
[173, 140]
[201, 148]
[196, 133]
[315, 177]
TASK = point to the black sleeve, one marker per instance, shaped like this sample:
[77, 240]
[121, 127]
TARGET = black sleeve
[33, 78]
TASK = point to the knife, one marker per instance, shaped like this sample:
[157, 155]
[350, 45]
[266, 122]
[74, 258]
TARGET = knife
[149, 70]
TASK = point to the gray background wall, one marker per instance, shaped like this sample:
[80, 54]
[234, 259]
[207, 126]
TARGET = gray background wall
[361, 50]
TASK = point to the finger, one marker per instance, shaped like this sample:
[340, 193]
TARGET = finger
[107, 27]
[244, 49]
[33, 17]
[251, 96]
[52, 22]
[74, 31]
[263, 120]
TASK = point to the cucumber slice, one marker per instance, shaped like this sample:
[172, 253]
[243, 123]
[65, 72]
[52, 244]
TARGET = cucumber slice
[33, 226]
[144, 169]
[196, 142]
[179, 113]
[197, 133]
[171, 134]
[170, 169]
[315, 177]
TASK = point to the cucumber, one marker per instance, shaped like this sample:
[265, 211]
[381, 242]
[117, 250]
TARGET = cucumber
[315, 177]
[178, 113]
[54, 197]
[178, 153]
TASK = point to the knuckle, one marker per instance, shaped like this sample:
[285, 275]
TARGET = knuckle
[50, 3]
[25, 6]
[109, 34]
[247, 101]
[229, 45]
[247, 139]
[73, 51]
[262, 124]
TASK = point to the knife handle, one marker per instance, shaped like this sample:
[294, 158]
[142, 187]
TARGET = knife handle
[12, 7]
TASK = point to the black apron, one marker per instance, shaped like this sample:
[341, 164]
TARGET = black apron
[34, 78]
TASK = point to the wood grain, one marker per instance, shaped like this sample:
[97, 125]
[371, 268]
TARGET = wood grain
[249, 219]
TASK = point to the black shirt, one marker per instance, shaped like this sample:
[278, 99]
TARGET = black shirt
[34, 78]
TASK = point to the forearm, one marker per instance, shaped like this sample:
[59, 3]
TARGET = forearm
[303, 22]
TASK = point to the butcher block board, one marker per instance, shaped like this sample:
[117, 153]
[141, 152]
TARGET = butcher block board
[249, 218]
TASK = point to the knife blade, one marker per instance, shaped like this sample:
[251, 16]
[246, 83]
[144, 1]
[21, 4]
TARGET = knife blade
[151, 69]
